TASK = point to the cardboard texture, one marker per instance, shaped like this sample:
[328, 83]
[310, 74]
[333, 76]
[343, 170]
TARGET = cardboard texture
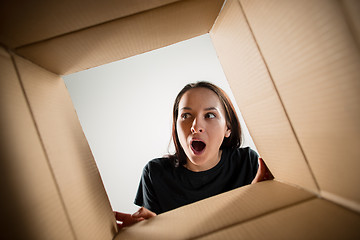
[68, 152]
[352, 16]
[31, 204]
[314, 61]
[124, 37]
[258, 99]
[48, 19]
[215, 213]
[293, 66]
[314, 219]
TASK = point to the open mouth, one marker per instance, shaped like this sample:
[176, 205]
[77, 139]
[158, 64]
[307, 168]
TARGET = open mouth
[198, 146]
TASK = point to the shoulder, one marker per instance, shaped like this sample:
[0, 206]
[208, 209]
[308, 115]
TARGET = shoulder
[246, 159]
[250, 153]
[159, 165]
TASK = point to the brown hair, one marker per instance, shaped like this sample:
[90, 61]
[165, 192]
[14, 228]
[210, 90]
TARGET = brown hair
[232, 121]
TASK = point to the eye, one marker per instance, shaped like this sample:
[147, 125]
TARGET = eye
[185, 116]
[210, 115]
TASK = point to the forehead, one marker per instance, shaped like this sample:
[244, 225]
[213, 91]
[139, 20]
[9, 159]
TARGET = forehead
[200, 98]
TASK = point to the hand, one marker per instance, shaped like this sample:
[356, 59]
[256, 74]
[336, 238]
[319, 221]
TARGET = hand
[263, 173]
[126, 219]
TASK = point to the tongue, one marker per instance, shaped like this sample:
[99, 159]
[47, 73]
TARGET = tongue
[198, 145]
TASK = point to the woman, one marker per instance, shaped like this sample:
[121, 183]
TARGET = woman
[208, 159]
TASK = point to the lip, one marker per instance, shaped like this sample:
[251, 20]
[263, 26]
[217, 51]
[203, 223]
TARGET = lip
[193, 150]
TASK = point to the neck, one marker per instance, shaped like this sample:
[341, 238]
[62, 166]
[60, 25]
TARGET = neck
[206, 166]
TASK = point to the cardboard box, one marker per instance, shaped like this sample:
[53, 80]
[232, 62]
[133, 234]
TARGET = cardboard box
[293, 66]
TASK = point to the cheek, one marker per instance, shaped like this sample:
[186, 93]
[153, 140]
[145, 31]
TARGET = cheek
[183, 132]
[218, 132]
[180, 130]
[183, 127]
[181, 135]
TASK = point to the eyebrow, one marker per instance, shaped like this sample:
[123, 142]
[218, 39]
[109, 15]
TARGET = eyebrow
[206, 109]
[211, 108]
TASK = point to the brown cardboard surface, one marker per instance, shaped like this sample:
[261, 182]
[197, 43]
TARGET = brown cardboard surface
[25, 22]
[314, 60]
[31, 206]
[314, 219]
[217, 212]
[124, 37]
[258, 99]
[69, 155]
[351, 11]
[293, 67]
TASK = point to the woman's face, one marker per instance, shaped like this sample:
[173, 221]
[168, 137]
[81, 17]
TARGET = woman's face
[201, 128]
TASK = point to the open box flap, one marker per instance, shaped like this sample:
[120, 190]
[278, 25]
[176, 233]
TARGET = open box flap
[218, 212]
[124, 37]
[31, 204]
[68, 153]
[313, 219]
[33, 22]
[314, 60]
[258, 99]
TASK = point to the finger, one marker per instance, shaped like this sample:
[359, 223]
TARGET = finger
[125, 220]
[268, 174]
[260, 173]
[119, 225]
[144, 213]
[121, 216]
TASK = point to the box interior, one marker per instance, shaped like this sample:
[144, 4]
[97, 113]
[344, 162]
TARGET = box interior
[292, 66]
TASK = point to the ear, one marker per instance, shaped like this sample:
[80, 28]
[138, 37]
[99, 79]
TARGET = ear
[228, 133]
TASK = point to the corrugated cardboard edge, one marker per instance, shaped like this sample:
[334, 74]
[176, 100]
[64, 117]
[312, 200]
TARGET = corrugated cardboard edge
[124, 37]
[23, 22]
[314, 60]
[68, 153]
[218, 212]
[31, 202]
[352, 205]
[258, 99]
[313, 219]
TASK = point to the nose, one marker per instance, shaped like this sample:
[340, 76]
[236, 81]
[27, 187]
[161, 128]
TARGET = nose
[197, 127]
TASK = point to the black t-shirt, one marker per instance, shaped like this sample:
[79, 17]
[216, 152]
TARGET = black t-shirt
[164, 187]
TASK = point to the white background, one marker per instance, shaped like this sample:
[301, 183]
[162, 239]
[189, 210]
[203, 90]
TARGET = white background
[125, 109]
